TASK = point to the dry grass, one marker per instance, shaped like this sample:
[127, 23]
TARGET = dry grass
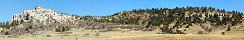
[77, 34]
[180, 37]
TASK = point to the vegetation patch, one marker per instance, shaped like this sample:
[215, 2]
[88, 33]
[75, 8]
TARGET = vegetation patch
[62, 29]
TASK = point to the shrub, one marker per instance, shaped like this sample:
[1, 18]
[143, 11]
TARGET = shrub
[200, 32]
[223, 33]
[6, 33]
[62, 29]
[228, 29]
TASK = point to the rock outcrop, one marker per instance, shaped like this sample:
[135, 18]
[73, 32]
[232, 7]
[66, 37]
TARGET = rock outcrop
[40, 14]
[40, 19]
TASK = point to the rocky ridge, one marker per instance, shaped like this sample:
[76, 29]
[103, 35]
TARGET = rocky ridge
[39, 20]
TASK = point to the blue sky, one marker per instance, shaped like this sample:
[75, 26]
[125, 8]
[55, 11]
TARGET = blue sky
[109, 7]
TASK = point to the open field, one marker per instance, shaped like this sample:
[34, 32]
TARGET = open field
[77, 34]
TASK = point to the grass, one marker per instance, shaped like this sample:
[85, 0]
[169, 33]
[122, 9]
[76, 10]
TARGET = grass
[179, 37]
[77, 34]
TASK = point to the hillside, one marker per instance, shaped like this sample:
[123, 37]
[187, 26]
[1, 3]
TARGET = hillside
[189, 20]
[180, 20]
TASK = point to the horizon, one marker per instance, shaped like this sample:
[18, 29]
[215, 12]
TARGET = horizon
[109, 7]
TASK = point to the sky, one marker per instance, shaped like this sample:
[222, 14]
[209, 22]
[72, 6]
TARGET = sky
[109, 7]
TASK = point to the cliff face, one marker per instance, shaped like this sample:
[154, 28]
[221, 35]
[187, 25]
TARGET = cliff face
[173, 21]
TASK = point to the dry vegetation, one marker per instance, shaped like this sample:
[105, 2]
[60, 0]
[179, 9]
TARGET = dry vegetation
[125, 34]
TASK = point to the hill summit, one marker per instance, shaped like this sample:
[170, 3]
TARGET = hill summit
[37, 20]
[40, 14]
